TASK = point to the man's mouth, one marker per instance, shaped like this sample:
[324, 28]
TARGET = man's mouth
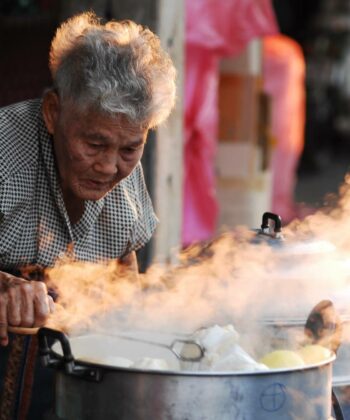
[99, 185]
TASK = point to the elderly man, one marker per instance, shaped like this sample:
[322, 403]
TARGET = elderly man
[70, 172]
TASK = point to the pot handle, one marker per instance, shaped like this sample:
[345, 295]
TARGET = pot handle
[338, 412]
[47, 355]
[277, 223]
[66, 362]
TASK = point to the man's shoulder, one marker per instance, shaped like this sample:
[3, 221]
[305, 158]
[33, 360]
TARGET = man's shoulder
[18, 135]
[19, 116]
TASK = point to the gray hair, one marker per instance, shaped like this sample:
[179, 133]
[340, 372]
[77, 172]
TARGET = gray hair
[116, 68]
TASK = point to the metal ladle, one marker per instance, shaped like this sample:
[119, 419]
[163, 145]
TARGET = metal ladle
[184, 350]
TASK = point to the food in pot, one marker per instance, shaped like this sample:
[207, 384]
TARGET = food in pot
[314, 353]
[107, 360]
[222, 351]
[151, 363]
[307, 355]
[143, 363]
[279, 359]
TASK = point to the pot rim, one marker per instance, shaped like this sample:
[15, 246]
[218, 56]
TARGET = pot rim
[190, 373]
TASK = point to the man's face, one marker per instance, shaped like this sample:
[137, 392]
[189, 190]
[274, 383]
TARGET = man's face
[94, 152]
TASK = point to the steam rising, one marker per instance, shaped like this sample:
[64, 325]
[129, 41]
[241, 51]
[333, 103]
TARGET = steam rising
[237, 278]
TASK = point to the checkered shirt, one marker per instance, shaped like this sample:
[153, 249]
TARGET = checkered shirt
[34, 224]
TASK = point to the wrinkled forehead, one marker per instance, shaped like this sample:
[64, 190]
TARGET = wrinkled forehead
[92, 117]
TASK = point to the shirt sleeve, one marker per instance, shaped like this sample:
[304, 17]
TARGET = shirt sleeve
[146, 220]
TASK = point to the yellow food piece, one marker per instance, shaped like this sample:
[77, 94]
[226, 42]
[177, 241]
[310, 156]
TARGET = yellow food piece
[279, 359]
[314, 353]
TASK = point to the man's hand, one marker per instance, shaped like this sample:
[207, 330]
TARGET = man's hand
[22, 303]
[127, 266]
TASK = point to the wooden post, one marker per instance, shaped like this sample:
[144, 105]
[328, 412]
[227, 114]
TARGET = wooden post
[169, 144]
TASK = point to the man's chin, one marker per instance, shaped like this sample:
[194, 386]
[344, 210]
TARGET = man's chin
[91, 195]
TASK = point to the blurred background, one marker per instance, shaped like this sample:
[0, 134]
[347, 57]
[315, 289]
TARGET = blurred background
[263, 115]
[322, 28]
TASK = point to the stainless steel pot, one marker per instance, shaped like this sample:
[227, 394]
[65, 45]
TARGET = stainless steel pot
[92, 391]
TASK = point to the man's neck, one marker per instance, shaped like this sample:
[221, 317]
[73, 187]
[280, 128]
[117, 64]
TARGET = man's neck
[74, 206]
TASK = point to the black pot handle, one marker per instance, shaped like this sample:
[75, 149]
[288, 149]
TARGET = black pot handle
[275, 218]
[338, 412]
[44, 349]
[66, 362]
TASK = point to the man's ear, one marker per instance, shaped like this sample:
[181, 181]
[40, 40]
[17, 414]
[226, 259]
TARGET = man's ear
[50, 109]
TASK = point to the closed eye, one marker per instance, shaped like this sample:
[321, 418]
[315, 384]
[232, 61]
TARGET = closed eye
[132, 149]
[96, 145]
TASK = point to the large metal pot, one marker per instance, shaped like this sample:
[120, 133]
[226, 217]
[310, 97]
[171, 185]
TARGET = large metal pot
[86, 390]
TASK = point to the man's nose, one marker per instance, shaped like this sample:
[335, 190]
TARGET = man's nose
[108, 164]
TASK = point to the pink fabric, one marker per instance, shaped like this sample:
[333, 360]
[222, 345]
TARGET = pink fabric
[214, 28]
[284, 73]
